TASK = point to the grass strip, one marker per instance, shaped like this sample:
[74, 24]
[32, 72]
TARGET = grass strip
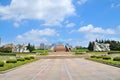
[13, 65]
[109, 62]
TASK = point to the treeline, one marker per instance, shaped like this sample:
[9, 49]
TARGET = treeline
[114, 45]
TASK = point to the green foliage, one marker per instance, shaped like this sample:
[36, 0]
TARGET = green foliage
[94, 52]
[93, 56]
[30, 47]
[32, 57]
[99, 57]
[106, 57]
[19, 63]
[90, 46]
[7, 54]
[40, 51]
[43, 53]
[21, 59]
[27, 58]
[78, 53]
[1, 63]
[114, 52]
[109, 62]
[116, 58]
[11, 61]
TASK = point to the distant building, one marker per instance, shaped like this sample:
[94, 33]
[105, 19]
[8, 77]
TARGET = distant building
[42, 46]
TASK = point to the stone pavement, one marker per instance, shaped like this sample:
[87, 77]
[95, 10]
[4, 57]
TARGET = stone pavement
[63, 69]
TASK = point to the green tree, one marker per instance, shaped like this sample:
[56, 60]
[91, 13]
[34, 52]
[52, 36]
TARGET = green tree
[90, 46]
[30, 47]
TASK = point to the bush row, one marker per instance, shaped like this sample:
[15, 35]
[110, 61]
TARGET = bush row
[106, 57]
[15, 60]
[116, 58]
[1, 63]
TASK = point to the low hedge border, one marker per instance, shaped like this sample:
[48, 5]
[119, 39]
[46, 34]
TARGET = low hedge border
[108, 62]
[11, 61]
[20, 59]
[9, 67]
[1, 63]
[116, 58]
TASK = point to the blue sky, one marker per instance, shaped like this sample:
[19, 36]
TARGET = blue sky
[74, 21]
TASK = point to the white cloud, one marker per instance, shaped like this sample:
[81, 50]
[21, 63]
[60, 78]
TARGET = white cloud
[119, 27]
[52, 12]
[16, 24]
[36, 35]
[91, 29]
[92, 37]
[68, 25]
[72, 31]
[80, 2]
[114, 5]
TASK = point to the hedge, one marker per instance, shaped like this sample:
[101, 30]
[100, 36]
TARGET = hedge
[11, 61]
[21, 59]
[106, 57]
[1, 63]
[116, 58]
[27, 58]
[93, 56]
[32, 57]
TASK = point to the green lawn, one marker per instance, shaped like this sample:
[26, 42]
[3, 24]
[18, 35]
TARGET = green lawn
[80, 51]
[109, 62]
[41, 51]
[93, 52]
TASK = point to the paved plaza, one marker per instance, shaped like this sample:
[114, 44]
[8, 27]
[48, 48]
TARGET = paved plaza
[63, 69]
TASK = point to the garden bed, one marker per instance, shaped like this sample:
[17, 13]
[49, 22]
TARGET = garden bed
[19, 62]
[105, 61]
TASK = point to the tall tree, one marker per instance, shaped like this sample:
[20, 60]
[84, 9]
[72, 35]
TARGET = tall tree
[90, 46]
[30, 47]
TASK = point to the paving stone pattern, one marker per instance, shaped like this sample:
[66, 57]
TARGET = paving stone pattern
[63, 69]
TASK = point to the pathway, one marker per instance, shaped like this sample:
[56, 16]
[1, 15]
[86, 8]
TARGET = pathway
[63, 69]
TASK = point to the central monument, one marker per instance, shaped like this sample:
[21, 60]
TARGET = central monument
[61, 48]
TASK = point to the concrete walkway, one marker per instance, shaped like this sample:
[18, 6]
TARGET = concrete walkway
[63, 69]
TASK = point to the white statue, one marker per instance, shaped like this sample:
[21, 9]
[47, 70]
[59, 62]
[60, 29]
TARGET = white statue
[20, 48]
[101, 47]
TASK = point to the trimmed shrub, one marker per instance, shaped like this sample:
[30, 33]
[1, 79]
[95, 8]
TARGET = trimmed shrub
[106, 57]
[20, 59]
[32, 57]
[116, 58]
[11, 61]
[7, 54]
[27, 58]
[78, 53]
[93, 56]
[1, 63]
[99, 56]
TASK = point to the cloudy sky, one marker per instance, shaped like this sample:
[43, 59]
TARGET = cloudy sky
[75, 21]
